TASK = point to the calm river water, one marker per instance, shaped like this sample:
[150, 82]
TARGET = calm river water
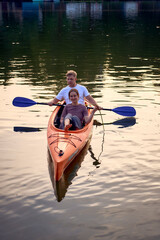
[112, 191]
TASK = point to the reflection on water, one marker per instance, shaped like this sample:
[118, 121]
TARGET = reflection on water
[131, 9]
[123, 123]
[103, 60]
[112, 190]
[60, 187]
[26, 129]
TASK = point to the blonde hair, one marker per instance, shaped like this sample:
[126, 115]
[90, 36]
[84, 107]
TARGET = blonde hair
[73, 90]
[71, 72]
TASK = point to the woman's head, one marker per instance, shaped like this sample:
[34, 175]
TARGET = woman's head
[73, 94]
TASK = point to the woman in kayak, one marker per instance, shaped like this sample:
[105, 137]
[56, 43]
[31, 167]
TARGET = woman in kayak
[75, 114]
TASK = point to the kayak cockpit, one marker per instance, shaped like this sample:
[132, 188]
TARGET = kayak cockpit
[58, 117]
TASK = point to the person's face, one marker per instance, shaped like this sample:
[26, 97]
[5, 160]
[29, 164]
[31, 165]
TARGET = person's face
[71, 80]
[73, 97]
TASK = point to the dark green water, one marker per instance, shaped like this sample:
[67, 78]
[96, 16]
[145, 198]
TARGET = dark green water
[112, 191]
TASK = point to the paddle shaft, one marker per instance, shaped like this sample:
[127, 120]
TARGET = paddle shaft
[124, 111]
[107, 109]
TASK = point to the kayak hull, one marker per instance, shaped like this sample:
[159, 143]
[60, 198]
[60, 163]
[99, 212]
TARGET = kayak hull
[65, 146]
[60, 187]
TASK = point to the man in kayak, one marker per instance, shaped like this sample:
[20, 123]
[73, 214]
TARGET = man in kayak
[71, 77]
[74, 113]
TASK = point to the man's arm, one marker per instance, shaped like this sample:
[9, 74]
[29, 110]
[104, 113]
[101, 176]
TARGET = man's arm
[91, 100]
[54, 101]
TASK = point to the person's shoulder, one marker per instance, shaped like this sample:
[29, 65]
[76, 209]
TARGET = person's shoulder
[65, 88]
[68, 105]
[79, 86]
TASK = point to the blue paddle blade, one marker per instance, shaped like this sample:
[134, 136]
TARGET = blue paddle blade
[125, 111]
[23, 102]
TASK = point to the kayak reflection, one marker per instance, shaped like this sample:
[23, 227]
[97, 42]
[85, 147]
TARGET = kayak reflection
[26, 129]
[60, 187]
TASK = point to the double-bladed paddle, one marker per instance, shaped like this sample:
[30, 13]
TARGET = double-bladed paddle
[26, 102]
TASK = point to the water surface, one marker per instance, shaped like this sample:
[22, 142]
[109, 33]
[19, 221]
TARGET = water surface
[112, 191]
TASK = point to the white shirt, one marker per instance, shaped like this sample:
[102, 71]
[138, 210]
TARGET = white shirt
[63, 94]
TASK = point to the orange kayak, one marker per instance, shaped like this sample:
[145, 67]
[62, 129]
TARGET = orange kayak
[65, 146]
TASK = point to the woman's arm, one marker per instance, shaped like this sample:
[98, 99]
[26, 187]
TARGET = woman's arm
[64, 113]
[61, 119]
[87, 119]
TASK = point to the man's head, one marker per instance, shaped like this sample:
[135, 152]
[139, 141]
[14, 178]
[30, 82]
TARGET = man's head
[71, 78]
[71, 72]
